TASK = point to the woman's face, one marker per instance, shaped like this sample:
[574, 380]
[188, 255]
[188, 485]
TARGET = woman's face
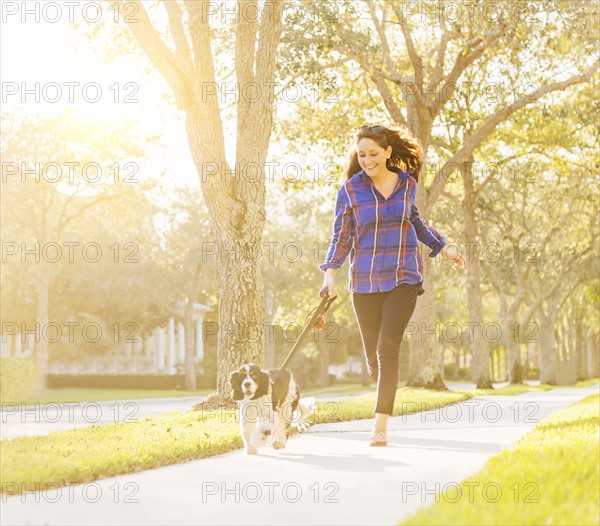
[372, 157]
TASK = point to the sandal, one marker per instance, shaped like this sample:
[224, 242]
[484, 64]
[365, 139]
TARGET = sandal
[377, 438]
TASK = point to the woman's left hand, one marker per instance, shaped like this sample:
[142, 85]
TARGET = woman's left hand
[450, 253]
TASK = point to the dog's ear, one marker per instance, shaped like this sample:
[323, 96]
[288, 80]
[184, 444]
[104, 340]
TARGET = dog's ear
[236, 386]
[263, 382]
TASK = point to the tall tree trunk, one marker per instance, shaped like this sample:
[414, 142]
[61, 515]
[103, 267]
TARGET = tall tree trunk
[41, 317]
[513, 350]
[235, 198]
[582, 371]
[479, 349]
[270, 336]
[424, 357]
[424, 354]
[548, 350]
[190, 346]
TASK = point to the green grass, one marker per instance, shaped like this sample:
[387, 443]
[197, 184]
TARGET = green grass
[516, 389]
[587, 383]
[548, 477]
[407, 401]
[512, 390]
[67, 457]
[337, 388]
[98, 395]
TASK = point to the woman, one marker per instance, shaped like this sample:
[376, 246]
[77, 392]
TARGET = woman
[377, 223]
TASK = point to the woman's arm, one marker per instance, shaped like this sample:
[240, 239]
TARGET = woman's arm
[427, 234]
[436, 241]
[341, 240]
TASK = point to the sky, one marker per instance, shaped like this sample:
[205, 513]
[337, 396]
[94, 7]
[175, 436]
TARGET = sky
[33, 49]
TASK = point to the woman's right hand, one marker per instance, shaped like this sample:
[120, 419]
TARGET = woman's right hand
[329, 282]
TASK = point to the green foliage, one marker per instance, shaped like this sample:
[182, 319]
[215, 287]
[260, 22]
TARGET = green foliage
[17, 379]
[81, 394]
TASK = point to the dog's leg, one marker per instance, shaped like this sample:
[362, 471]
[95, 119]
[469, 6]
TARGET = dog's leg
[284, 421]
[279, 433]
[264, 428]
[302, 412]
[248, 427]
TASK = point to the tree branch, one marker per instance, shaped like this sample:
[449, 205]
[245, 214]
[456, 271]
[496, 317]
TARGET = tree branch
[245, 44]
[386, 55]
[388, 99]
[182, 48]
[156, 50]
[474, 48]
[490, 124]
[415, 59]
[438, 70]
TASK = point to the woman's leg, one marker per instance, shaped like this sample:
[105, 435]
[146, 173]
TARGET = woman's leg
[367, 308]
[396, 311]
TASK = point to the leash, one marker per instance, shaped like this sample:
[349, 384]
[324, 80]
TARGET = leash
[315, 320]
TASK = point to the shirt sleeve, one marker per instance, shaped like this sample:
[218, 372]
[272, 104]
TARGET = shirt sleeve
[341, 241]
[427, 234]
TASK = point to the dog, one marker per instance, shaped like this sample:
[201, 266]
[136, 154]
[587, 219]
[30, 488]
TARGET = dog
[267, 409]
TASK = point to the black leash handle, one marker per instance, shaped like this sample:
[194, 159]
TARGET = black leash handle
[322, 308]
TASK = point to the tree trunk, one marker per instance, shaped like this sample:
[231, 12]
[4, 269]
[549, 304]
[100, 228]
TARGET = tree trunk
[41, 347]
[270, 336]
[582, 371]
[592, 346]
[237, 224]
[548, 350]
[479, 349]
[512, 351]
[190, 347]
[424, 357]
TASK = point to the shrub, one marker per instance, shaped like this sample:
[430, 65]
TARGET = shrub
[17, 379]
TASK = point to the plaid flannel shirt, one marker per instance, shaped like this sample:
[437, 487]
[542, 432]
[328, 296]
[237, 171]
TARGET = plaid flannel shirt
[380, 235]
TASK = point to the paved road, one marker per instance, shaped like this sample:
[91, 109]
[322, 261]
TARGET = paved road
[327, 475]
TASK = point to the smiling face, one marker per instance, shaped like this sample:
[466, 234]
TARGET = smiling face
[372, 157]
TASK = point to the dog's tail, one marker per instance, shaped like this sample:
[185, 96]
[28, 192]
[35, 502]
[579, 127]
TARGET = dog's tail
[306, 407]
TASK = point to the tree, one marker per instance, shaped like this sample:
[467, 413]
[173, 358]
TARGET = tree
[234, 195]
[416, 62]
[46, 189]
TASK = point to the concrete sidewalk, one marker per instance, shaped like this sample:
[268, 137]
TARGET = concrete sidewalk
[327, 475]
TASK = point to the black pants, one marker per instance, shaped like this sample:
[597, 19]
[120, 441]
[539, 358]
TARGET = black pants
[382, 319]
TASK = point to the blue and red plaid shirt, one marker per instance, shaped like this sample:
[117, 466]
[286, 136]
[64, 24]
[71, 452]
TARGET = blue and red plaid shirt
[380, 235]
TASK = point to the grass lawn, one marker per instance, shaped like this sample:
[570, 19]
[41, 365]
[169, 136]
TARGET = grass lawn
[512, 390]
[98, 395]
[91, 453]
[550, 476]
[516, 389]
[338, 388]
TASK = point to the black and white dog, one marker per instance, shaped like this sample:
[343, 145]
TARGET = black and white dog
[267, 409]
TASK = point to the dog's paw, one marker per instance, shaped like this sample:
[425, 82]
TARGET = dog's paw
[278, 445]
[251, 450]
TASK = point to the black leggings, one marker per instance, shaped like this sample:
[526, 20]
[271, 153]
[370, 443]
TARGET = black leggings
[382, 319]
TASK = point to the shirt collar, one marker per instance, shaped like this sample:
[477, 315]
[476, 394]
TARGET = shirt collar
[402, 174]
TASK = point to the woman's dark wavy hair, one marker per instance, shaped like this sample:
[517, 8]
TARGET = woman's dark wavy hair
[407, 151]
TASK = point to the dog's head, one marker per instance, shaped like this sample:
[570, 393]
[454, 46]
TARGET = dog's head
[250, 382]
